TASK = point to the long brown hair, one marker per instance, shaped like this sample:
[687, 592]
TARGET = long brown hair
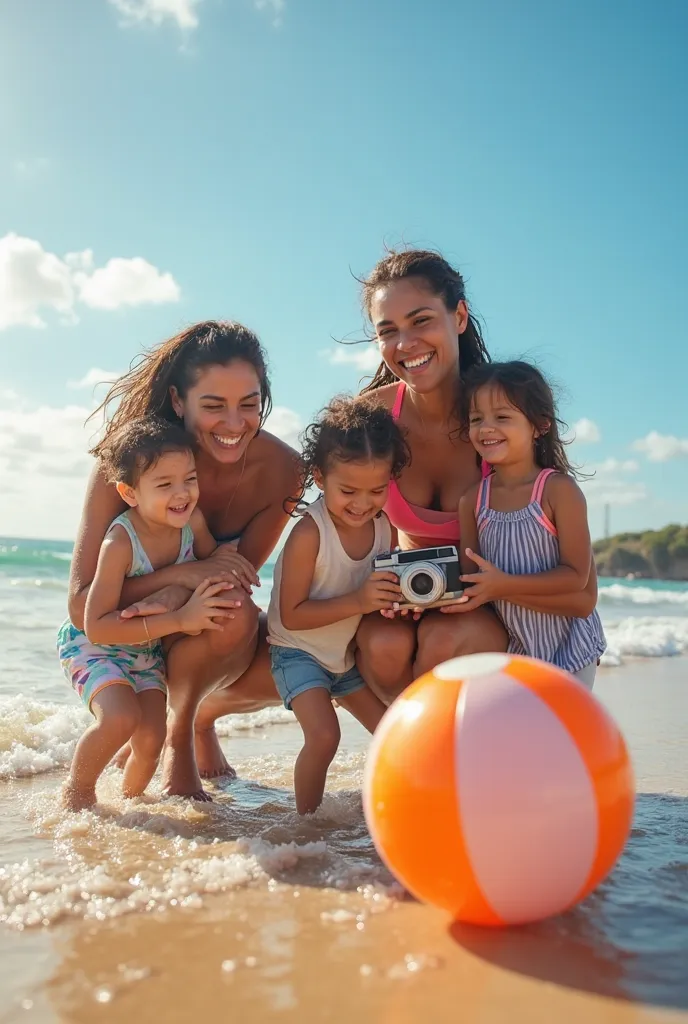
[145, 389]
[443, 280]
[527, 390]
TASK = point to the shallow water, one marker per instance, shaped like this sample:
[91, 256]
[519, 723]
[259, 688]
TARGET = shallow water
[99, 885]
[104, 914]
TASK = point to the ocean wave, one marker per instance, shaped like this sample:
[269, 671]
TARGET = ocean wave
[39, 736]
[616, 593]
[35, 582]
[645, 637]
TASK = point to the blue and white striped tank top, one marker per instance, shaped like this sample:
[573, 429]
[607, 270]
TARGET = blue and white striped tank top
[524, 542]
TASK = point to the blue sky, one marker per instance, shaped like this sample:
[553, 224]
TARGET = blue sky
[239, 158]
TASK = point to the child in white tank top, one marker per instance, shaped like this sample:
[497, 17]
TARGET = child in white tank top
[324, 582]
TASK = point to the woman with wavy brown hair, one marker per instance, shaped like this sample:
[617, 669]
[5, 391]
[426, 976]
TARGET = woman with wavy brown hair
[428, 340]
[212, 377]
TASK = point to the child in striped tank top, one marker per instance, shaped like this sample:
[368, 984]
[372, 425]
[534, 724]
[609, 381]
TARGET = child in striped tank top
[525, 526]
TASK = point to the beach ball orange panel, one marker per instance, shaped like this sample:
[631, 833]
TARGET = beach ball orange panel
[498, 788]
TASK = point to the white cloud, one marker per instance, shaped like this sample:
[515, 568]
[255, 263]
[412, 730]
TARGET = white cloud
[285, 424]
[362, 357]
[44, 463]
[609, 490]
[93, 378]
[585, 431]
[611, 484]
[33, 280]
[612, 466]
[273, 8]
[123, 282]
[661, 447]
[155, 12]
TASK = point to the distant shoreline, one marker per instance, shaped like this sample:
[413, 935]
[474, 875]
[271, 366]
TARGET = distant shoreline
[651, 555]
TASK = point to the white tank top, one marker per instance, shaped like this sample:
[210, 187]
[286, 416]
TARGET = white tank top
[335, 575]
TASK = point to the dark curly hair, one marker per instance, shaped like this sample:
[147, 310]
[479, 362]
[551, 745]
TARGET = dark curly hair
[442, 279]
[527, 389]
[177, 362]
[351, 430]
[133, 449]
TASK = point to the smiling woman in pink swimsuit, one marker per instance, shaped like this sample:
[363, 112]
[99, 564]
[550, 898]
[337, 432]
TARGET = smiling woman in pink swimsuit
[428, 340]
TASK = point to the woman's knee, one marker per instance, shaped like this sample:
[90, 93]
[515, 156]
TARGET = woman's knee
[441, 637]
[387, 649]
[236, 632]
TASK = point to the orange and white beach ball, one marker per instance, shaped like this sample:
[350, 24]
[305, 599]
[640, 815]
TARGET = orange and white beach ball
[499, 789]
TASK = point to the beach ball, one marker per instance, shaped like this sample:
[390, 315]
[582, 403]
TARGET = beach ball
[498, 788]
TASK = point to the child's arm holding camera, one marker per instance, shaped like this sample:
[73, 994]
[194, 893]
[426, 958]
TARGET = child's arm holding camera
[569, 514]
[298, 611]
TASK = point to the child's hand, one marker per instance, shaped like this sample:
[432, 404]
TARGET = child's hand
[207, 603]
[489, 584]
[380, 591]
[395, 612]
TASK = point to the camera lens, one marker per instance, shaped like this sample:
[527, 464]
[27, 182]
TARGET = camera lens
[422, 584]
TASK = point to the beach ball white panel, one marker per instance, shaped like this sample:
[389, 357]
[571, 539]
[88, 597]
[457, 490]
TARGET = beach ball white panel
[527, 804]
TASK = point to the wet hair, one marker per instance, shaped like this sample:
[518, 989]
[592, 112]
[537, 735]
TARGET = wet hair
[135, 448]
[431, 269]
[526, 388]
[178, 362]
[352, 430]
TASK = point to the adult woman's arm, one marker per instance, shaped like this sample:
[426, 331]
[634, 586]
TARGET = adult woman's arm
[260, 536]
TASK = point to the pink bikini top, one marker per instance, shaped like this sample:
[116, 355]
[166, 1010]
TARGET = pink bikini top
[414, 520]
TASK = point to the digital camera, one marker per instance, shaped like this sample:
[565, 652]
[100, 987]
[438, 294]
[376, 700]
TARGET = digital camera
[427, 576]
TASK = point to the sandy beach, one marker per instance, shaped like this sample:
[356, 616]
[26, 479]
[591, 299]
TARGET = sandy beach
[154, 910]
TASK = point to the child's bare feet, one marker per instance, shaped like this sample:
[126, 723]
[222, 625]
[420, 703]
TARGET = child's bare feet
[76, 798]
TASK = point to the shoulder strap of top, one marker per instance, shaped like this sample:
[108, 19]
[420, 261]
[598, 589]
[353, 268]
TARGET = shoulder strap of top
[186, 544]
[483, 498]
[139, 559]
[539, 485]
[383, 534]
[398, 400]
[317, 510]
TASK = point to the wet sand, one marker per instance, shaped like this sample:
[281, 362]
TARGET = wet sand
[323, 937]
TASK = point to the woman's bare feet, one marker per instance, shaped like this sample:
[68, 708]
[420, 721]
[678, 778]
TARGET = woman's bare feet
[210, 758]
[179, 774]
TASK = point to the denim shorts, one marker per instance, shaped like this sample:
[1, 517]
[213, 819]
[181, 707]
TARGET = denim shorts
[296, 671]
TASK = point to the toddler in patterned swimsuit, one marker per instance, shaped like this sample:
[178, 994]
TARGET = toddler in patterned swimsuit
[116, 665]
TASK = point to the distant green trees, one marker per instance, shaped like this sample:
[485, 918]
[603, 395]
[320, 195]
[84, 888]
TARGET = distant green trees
[659, 554]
